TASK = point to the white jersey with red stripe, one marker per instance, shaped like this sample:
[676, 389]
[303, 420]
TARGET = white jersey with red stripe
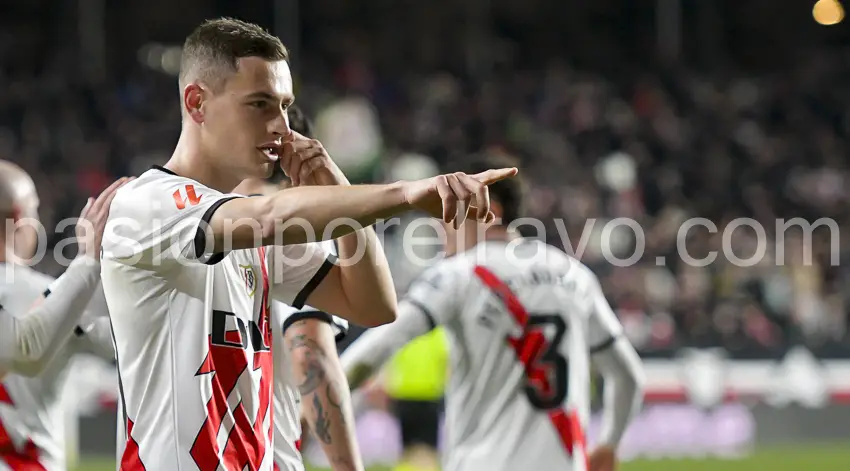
[194, 329]
[521, 320]
[32, 427]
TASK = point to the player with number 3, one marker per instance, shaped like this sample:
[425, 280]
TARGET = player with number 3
[523, 322]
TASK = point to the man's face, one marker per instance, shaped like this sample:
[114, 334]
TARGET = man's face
[247, 116]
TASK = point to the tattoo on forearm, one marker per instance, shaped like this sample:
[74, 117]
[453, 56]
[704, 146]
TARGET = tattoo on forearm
[323, 423]
[314, 373]
[324, 419]
[328, 403]
[335, 399]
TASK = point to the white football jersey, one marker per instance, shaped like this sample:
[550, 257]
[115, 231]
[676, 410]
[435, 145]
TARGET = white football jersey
[287, 399]
[521, 320]
[193, 330]
[32, 428]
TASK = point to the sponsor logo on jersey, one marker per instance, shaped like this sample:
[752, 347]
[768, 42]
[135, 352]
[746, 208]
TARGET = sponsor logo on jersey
[191, 197]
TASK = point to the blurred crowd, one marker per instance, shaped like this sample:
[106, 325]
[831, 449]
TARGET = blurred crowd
[658, 145]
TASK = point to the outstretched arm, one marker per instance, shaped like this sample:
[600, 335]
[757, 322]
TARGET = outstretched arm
[29, 342]
[326, 400]
[621, 369]
[614, 357]
[362, 290]
[376, 346]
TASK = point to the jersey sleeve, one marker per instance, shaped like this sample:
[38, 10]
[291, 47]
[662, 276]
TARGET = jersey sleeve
[29, 342]
[339, 325]
[93, 333]
[435, 293]
[296, 270]
[162, 221]
[292, 315]
[603, 326]
[366, 355]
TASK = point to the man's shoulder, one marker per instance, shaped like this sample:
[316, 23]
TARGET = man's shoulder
[442, 274]
[162, 185]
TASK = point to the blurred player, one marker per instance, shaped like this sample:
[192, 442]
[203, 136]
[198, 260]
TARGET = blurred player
[190, 268]
[310, 385]
[36, 347]
[522, 320]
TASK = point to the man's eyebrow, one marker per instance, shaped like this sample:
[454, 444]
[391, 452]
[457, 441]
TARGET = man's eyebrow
[263, 95]
[288, 99]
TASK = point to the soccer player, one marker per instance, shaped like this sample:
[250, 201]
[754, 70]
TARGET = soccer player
[190, 268]
[310, 385]
[36, 345]
[522, 320]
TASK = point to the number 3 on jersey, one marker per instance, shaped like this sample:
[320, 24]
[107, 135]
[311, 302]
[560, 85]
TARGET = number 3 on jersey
[546, 369]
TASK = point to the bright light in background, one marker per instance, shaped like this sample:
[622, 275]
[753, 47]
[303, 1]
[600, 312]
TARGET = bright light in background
[162, 58]
[828, 12]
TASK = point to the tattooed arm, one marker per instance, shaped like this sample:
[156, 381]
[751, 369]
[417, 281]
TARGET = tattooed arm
[325, 396]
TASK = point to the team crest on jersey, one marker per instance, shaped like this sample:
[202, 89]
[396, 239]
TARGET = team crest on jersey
[249, 276]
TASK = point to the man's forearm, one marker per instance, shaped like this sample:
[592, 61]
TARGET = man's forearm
[366, 279]
[29, 342]
[326, 401]
[376, 346]
[312, 213]
[624, 377]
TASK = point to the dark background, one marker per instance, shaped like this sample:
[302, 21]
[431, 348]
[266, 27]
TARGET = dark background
[722, 109]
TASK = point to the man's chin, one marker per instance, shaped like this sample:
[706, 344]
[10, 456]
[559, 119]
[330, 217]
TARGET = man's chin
[268, 169]
[262, 171]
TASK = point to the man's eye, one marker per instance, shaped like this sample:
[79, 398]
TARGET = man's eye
[261, 105]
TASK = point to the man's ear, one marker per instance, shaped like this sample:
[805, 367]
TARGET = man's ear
[193, 100]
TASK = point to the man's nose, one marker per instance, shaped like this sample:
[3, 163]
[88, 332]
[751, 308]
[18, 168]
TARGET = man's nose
[280, 125]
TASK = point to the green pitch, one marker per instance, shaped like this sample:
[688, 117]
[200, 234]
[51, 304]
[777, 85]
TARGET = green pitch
[820, 458]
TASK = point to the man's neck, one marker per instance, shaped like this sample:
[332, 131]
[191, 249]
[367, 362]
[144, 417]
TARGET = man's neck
[188, 160]
[254, 186]
[498, 234]
[492, 234]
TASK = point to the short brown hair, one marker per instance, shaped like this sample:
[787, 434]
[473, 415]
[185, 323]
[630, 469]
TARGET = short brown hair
[212, 50]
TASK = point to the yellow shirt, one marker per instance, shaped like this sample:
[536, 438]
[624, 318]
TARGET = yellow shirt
[419, 370]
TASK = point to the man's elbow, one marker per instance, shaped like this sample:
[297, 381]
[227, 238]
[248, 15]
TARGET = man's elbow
[377, 316]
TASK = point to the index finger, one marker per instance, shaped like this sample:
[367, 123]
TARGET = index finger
[489, 177]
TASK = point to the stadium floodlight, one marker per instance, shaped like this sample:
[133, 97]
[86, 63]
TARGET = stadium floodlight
[828, 12]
